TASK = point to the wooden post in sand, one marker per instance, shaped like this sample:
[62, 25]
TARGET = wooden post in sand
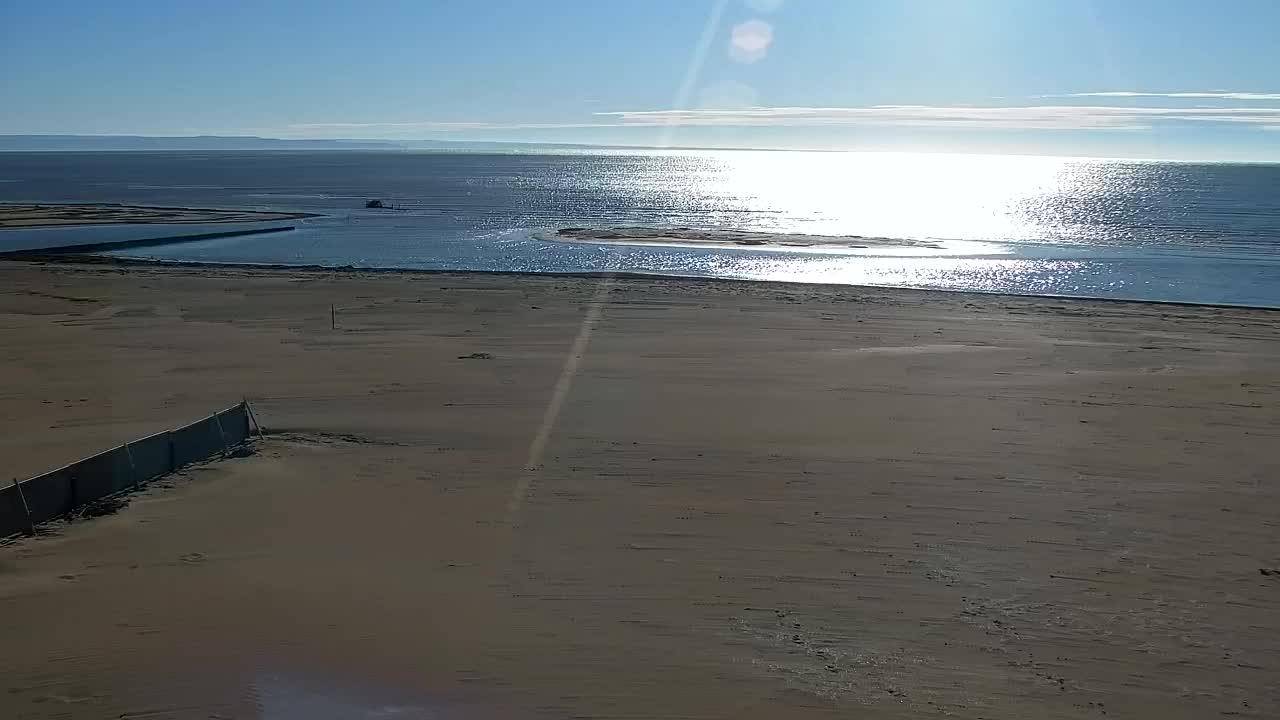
[173, 453]
[226, 449]
[133, 469]
[333, 318]
[26, 511]
[249, 409]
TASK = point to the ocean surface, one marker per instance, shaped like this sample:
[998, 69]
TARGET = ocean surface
[1031, 225]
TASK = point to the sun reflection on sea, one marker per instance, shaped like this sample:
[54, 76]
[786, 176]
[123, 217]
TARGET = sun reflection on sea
[979, 274]
[893, 194]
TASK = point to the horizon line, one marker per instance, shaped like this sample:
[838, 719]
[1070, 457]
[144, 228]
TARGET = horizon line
[394, 146]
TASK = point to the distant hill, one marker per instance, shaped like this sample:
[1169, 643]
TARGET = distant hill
[53, 143]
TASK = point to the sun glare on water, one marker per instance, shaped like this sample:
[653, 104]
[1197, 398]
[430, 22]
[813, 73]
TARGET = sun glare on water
[898, 195]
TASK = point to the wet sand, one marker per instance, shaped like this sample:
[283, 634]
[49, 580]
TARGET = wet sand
[19, 215]
[728, 238]
[501, 496]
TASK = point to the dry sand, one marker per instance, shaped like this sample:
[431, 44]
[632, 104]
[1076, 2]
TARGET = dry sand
[19, 215]
[745, 501]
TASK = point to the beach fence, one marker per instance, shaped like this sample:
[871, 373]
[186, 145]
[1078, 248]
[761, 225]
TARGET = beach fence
[23, 505]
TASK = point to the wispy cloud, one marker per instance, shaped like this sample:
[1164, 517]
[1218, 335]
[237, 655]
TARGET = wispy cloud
[1033, 117]
[435, 125]
[1040, 117]
[1215, 95]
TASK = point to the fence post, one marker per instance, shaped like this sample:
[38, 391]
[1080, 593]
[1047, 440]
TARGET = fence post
[249, 409]
[133, 469]
[26, 511]
[226, 449]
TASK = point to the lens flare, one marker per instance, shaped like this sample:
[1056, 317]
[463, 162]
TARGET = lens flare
[750, 41]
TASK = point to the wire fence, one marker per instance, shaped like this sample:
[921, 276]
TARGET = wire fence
[23, 505]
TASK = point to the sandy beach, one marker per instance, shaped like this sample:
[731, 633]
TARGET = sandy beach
[522, 496]
[25, 215]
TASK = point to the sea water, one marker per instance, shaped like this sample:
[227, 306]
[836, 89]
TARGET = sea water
[1029, 225]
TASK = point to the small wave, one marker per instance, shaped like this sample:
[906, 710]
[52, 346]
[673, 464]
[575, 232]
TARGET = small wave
[305, 196]
[178, 187]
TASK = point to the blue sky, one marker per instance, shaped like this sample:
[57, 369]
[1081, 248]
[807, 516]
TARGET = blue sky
[1143, 78]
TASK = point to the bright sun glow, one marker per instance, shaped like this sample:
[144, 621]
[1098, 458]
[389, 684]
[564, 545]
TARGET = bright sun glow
[880, 194]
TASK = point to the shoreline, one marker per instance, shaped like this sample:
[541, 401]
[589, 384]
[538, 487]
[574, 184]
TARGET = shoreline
[85, 250]
[27, 216]
[1130, 283]
[38, 257]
